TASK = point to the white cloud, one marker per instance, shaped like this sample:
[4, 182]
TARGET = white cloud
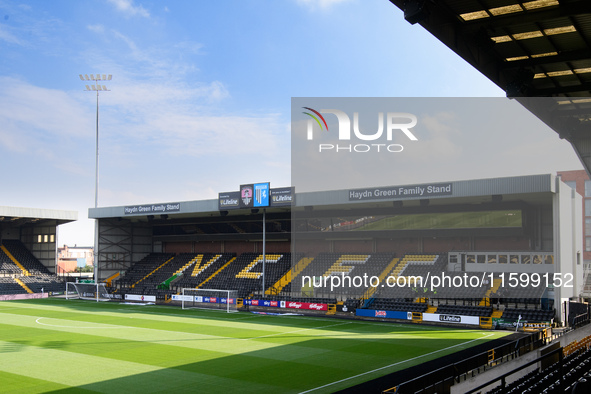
[100, 29]
[129, 9]
[8, 37]
[48, 111]
[40, 122]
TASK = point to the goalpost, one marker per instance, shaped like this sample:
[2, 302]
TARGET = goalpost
[87, 291]
[209, 299]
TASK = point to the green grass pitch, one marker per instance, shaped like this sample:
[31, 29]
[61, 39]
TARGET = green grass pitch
[82, 346]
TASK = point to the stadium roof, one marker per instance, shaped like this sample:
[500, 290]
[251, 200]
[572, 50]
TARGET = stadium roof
[531, 189]
[534, 48]
[16, 216]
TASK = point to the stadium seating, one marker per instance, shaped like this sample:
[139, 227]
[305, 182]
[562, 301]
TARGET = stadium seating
[7, 266]
[141, 269]
[46, 283]
[531, 315]
[352, 265]
[519, 296]
[396, 305]
[244, 274]
[32, 273]
[25, 257]
[465, 310]
[8, 286]
[227, 271]
[205, 265]
[575, 377]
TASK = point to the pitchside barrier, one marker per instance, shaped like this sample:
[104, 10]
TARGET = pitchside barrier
[440, 380]
[482, 321]
[140, 298]
[311, 306]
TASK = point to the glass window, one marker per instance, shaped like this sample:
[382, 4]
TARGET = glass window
[587, 244]
[502, 259]
[481, 258]
[587, 188]
[39, 238]
[492, 258]
[588, 207]
[514, 259]
[587, 226]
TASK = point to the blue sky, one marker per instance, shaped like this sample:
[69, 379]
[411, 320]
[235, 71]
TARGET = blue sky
[200, 95]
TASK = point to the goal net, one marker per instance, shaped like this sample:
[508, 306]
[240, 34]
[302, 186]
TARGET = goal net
[87, 291]
[209, 299]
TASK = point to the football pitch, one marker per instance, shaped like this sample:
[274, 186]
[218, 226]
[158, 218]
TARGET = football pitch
[83, 346]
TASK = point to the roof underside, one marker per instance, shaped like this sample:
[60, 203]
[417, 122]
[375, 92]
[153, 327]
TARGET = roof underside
[16, 216]
[535, 48]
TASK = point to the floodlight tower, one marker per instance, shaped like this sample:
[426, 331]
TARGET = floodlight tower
[95, 85]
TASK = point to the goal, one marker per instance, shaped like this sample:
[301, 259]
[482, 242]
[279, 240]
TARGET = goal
[209, 299]
[87, 291]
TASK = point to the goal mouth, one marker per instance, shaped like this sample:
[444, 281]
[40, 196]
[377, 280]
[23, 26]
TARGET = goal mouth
[223, 300]
[87, 291]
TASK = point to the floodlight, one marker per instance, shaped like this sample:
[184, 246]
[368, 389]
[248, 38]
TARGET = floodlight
[96, 88]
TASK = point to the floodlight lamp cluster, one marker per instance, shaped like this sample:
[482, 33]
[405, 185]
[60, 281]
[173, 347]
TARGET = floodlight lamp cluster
[96, 78]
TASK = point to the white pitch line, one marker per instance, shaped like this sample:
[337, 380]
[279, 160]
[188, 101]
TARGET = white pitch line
[392, 365]
[291, 332]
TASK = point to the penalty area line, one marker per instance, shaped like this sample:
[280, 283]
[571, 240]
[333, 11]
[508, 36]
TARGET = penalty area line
[392, 365]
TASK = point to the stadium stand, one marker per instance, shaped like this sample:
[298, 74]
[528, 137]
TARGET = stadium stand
[204, 266]
[396, 305]
[528, 314]
[141, 269]
[9, 286]
[244, 273]
[26, 273]
[165, 274]
[7, 266]
[25, 257]
[132, 281]
[572, 375]
[43, 283]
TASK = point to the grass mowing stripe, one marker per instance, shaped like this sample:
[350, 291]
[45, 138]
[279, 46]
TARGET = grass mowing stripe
[300, 330]
[107, 375]
[170, 337]
[217, 327]
[286, 354]
[393, 365]
[299, 347]
[17, 384]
